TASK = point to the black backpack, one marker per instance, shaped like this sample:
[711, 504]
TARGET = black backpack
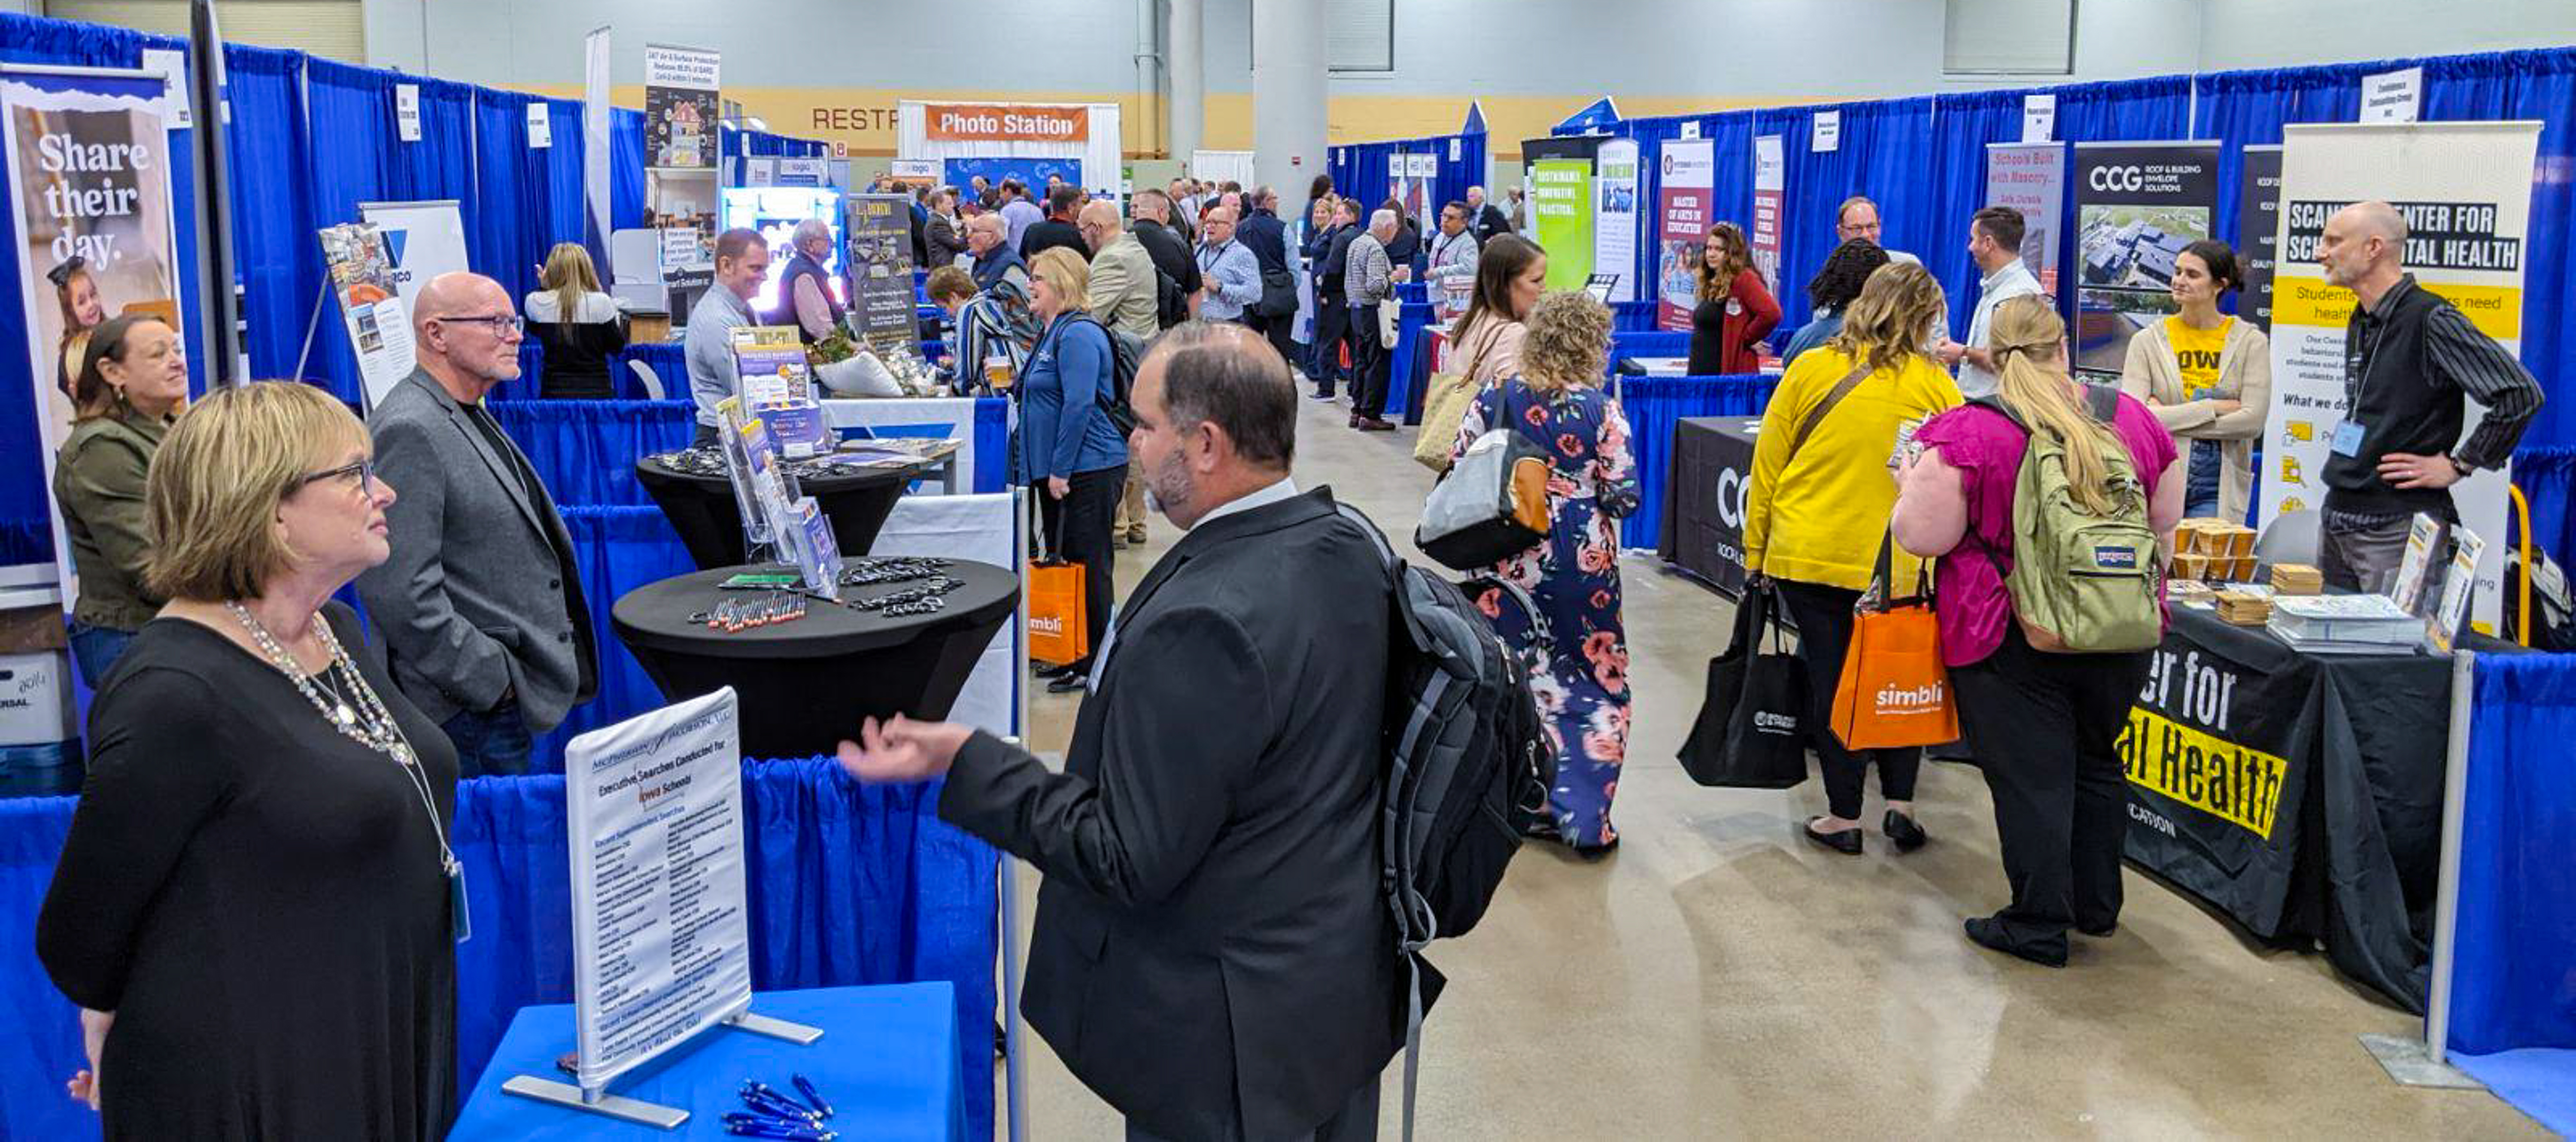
[1171, 306]
[1126, 352]
[1468, 766]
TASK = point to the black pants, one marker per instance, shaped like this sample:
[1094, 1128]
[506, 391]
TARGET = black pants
[1277, 330]
[1078, 531]
[1368, 362]
[2045, 728]
[705, 437]
[1824, 618]
[1331, 318]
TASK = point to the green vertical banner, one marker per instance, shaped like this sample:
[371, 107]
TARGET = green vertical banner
[1561, 199]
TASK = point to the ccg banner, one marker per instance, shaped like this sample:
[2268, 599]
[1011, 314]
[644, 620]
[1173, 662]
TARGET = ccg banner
[1689, 173]
[2031, 178]
[1614, 233]
[2136, 206]
[2258, 233]
[680, 109]
[89, 196]
[2464, 190]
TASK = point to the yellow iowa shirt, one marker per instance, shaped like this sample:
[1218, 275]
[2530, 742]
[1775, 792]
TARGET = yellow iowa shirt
[2196, 353]
[1819, 517]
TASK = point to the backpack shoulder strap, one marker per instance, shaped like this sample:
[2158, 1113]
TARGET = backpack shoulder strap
[2103, 402]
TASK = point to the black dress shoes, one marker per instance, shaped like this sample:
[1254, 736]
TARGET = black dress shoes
[1846, 842]
[1903, 830]
[1988, 933]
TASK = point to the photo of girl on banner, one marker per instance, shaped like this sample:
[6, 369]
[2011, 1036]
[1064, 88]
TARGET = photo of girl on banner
[89, 153]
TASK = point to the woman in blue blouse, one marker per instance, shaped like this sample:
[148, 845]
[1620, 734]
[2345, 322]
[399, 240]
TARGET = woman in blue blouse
[1075, 459]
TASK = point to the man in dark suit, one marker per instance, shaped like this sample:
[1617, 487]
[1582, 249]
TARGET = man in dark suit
[1332, 311]
[1151, 211]
[1267, 237]
[1213, 955]
[1485, 218]
[480, 606]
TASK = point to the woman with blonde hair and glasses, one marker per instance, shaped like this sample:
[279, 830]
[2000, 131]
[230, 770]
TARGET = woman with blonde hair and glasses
[579, 326]
[1555, 400]
[2043, 726]
[1818, 509]
[254, 906]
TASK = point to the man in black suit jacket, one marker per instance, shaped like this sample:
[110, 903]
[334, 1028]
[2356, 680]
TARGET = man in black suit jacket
[1267, 237]
[1332, 310]
[1058, 229]
[1152, 213]
[1213, 955]
[1485, 218]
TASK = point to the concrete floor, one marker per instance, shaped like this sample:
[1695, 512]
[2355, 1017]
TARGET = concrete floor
[1719, 978]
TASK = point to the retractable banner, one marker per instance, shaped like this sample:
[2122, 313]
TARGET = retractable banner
[2465, 192]
[680, 109]
[2031, 178]
[421, 241]
[1689, 170]
[1561, 206]
[1614, 232]
[89, 156]
[2258, 233]
[2137, 205]
[373, 306]
[1770, 192]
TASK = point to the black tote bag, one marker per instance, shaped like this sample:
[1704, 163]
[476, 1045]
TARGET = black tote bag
[1749, 733]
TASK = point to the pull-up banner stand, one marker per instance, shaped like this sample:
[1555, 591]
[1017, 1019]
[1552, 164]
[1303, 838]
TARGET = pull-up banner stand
[1561, 205]
[660, 922]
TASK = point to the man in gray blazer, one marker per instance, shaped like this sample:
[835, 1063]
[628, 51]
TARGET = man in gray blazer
[480, 605]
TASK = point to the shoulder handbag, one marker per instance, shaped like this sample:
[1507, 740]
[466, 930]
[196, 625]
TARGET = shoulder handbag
[1894, 690]
[1387, 313]
[1059, 627]
[1444, 407]
[1750, 733]
[1816, 415]
[1493, 505]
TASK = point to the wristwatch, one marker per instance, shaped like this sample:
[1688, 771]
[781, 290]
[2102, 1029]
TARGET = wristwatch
[2463, 467]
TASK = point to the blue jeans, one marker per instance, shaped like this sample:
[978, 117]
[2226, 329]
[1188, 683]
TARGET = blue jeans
[2200, 480]
[489, 744]
[95, 649]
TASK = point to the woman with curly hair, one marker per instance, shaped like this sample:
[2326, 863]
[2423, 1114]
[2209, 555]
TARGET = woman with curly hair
[1734, 312]
[1573, 574]
[1832, 290]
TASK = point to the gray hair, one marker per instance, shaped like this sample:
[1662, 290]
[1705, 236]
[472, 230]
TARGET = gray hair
[813, 230]
[1217, 372]
[1382, 218]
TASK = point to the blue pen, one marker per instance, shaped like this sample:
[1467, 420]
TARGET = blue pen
[813, 1096]
[749, 1118]
[790, 1133]
[760, 1097]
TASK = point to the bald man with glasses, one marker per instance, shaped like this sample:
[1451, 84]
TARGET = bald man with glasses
[480, 606]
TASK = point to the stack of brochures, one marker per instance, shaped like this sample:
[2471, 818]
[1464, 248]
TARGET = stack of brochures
[2345, 624]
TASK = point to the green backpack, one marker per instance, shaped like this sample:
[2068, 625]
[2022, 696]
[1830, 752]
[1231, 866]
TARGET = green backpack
[2082, 583]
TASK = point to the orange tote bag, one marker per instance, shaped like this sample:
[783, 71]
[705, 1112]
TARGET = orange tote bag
[1894, 691]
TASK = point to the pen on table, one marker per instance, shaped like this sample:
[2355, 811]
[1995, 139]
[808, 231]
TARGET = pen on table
[762, 1098]
[812, 1096]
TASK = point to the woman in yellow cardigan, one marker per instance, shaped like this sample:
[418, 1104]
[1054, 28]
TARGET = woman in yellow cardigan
[1822, 494]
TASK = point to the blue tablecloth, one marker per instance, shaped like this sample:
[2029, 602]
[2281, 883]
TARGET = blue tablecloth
[1408, 364]
[887, 1062]
[668, 360]
[1655, 407]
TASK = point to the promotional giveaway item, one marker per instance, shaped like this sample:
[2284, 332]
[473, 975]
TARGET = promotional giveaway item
[1059, 626]
[2137, 205]
[661, 925]
[769, 361]
[89, 195]
[1894, 690]
[2464, 190]
[1750, 732]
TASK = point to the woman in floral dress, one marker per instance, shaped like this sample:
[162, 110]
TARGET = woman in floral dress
[1579, 653]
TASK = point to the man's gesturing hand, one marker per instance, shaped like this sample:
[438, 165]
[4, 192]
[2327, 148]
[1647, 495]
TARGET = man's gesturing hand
[903, 749]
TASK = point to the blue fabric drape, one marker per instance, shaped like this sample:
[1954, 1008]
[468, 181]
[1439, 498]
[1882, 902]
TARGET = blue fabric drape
[848, 884]
[530, 199]
[625, 168]
[2516, 940]
[276, 256]
[353, 107]
[1886, 146]
[2139, 110]
[25, 531]
[1655, 407]
[619, 549]
[2547, 476]
[1359, 171]
[585, 450]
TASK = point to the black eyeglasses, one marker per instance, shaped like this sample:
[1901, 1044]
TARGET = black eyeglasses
[364, 470]
[501, 323]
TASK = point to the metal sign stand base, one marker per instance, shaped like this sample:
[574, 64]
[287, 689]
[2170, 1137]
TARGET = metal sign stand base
[638, 1111]
[2409, 1062]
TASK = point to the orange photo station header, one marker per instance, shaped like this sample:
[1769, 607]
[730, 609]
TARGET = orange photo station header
[1003, 122]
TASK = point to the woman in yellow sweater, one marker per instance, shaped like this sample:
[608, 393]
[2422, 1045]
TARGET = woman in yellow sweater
[1822, 493]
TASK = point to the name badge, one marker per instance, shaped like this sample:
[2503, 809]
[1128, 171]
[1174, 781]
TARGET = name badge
[2347, 438]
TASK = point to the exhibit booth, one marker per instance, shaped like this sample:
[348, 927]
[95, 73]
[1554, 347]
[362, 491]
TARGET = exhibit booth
[1081, 142]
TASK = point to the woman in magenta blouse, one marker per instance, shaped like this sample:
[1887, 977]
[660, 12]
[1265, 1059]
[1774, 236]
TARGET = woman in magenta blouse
[2043, 726]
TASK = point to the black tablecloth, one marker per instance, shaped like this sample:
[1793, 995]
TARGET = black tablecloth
[2300, 794]
[807, 684]
[1703, 525]
[703, 511]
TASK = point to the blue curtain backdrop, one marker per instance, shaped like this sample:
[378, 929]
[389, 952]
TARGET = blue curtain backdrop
[1655, 407]
[625, 168]
[1359, 171]
[2131, 110]
[529, 199]
[2516, 940]
[849, 884]
[1885, 149]
[25, 533]
[279, 261]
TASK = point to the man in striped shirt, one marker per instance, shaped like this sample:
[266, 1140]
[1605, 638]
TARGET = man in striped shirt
[2411, 362]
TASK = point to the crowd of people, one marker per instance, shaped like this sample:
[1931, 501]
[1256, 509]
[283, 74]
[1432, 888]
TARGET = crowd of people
[311, 824]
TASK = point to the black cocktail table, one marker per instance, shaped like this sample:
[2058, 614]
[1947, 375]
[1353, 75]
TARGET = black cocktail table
[702, 508]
